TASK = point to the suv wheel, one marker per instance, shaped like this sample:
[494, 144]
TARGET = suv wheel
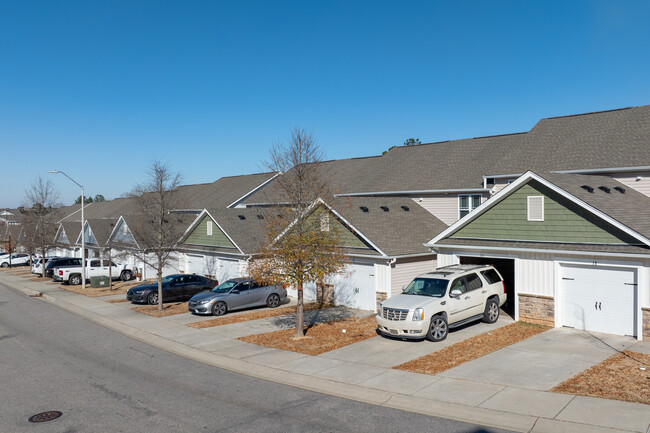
[491, 313]
[437, 328]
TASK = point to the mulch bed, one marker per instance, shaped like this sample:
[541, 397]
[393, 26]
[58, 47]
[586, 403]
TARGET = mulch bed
[254, 315]
[472, 348]
[116, 301]
[320, 338]
[619, 377]
[168, 309]
[119, 288]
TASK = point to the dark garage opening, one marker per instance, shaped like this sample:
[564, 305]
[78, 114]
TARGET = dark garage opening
[506, 268]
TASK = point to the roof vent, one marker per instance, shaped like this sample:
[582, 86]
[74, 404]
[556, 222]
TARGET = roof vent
[587, 188]
[620, 189]
[384, 208]
[363, 208]
[604, 188]
[405, 208]
[241, 217]
[260, 217]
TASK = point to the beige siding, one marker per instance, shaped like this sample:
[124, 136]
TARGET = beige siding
[404, 270]
[630, 179]
[444, 207]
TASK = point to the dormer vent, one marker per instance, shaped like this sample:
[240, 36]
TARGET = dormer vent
[363, 208]
[260, 217]
[620, 189]
[241, 217]
[605, 189]
[405, 208]
[384, 208]
[587, 188]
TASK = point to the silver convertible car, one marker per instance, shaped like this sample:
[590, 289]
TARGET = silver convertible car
[236, 294]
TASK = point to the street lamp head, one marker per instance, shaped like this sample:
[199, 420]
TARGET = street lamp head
[53, 171]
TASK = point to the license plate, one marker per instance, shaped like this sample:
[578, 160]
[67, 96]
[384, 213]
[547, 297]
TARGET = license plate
[394, 332]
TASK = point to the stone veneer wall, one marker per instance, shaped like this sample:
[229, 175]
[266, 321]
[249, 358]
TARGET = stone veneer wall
[379, 298]
[645, 318]
[537, 309]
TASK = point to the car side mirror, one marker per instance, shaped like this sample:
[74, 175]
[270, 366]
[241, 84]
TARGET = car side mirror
[234, 291]
[456, 293]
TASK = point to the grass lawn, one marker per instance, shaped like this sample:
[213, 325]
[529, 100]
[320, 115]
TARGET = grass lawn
[624, 376]
[472, 348]
[254, 315]
[320, 338]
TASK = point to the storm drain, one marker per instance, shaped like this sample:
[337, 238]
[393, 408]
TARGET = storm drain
[45, 416]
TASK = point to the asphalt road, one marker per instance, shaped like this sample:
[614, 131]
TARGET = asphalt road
[51, 359]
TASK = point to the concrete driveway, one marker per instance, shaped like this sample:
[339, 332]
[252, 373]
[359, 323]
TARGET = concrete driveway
[545, 360]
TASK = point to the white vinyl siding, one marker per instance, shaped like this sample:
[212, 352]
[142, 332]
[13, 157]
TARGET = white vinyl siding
[405, 270]
[443, 207]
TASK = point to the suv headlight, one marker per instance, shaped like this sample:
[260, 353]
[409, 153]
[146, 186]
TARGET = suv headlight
[418, 314]
[380, 309]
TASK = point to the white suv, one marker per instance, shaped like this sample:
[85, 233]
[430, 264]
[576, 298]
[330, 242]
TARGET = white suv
[447, 297]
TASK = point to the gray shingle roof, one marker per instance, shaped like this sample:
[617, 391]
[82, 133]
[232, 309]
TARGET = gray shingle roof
[616, 138]
[101, 228]
[396, 232]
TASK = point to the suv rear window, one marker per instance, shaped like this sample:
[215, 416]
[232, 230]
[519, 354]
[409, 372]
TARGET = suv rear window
[491, 276]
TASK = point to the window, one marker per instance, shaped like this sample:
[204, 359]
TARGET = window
[324, 222]
[458, 284]
[536, 208]
[491, 276]
[209, 228]
[94, 263]
[467, 203]
[124, 229]
[473, 282]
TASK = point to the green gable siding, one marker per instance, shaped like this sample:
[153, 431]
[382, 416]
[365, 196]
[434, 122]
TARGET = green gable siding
[564, 221]
[348, 238]
[199, 235]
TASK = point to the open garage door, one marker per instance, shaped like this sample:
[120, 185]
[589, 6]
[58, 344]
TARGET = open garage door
[599, 299]
[506, 268]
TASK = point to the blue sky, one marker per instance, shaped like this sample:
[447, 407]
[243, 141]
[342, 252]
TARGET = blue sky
[99, 89]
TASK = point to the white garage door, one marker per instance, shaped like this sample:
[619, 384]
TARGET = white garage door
[599, 299]
[194, 264]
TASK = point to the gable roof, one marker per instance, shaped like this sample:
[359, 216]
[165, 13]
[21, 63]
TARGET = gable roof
[101, 229]
[619, 207]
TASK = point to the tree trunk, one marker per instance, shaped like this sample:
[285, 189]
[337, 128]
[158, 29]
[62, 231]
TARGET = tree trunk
[160, 299]
[300, 331]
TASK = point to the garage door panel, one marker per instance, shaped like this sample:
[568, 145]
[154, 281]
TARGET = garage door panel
[599, 299]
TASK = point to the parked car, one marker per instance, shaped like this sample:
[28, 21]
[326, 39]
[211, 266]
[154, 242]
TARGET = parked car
[17, 259]
[177, 287]
[60, 262]
[448, 297]
[37, 264]
[236, 294]
[94, 268]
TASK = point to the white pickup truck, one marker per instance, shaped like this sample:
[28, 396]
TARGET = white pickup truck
[94, 268]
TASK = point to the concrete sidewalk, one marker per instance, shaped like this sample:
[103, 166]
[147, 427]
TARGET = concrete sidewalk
[363, 371]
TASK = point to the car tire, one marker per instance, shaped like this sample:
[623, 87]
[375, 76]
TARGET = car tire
[491, 313]
[273, 301]
[5, 265]
[74, 280]
[126, 276]
[438, 328]
[219, 308]
[152, 298]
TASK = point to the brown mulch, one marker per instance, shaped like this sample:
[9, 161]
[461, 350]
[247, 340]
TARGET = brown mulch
[168, 309]
[619, 377]
[320, 338]
[472, 348]
[254, 315]
[116, 301]
[119, 288]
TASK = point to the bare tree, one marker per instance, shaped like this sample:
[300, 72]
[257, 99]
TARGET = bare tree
[298, 250]
[158, 230]
[40, 200]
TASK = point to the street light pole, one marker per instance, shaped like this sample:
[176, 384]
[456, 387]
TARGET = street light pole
[83, 236]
